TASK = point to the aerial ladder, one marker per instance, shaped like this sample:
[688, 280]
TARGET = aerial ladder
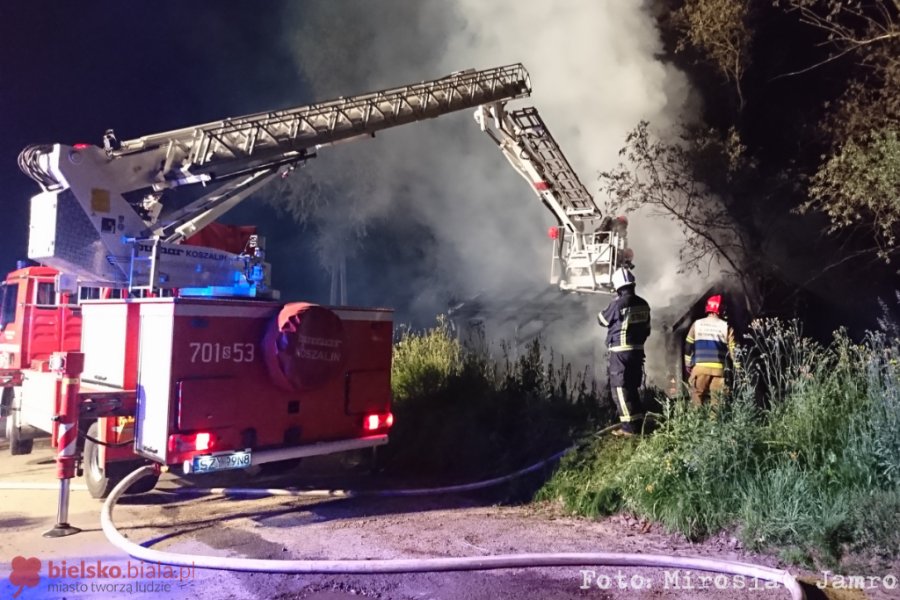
[110, 216]
[588, 246]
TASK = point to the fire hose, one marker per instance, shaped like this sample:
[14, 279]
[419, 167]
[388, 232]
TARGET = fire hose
[419, 565]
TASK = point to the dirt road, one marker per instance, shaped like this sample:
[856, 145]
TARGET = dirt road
[360, 528]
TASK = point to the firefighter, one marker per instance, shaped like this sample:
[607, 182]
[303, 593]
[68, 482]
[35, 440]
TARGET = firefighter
[628, 321]
[708, 346]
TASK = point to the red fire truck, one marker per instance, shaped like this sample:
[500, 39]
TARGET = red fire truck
[138, 339]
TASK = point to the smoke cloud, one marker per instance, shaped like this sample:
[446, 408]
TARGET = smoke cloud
[433, 208]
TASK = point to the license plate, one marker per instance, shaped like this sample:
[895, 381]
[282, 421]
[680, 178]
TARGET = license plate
[221, 462]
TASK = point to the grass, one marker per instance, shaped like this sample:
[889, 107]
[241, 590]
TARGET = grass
[804, 459]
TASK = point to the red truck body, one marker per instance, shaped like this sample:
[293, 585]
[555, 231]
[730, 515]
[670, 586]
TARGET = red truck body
[200, 384]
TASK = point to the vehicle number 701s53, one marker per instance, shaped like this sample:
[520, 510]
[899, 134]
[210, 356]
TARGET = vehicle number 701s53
[207, 352]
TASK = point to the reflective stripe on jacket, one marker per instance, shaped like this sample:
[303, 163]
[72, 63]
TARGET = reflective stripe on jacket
[709, 343]
[628, 320]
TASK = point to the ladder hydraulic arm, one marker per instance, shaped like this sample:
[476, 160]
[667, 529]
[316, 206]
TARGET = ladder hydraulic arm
[588, 246]
[107, 215]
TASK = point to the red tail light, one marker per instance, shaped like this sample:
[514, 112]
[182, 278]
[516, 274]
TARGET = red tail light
[377, 421]
[191, 442]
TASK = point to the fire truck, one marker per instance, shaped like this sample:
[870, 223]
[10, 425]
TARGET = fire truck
[139, 340]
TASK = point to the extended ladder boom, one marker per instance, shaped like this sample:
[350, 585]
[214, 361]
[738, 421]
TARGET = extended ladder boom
[272, 138]
[588, 246]
[571, 202]
[103, 208]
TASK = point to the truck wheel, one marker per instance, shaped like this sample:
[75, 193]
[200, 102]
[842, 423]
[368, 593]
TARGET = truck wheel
[100, 481]
[18, 444]
[98, 484]
[141, 486]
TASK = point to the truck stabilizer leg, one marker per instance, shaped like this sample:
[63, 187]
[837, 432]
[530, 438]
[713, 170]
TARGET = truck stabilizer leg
[69, 366]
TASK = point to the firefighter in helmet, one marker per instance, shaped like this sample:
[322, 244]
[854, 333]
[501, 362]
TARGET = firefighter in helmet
[628, 321]
[708, 347]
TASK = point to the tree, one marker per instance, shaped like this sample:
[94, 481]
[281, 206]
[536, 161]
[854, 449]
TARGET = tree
[857, 183]
[720, 31]
[860, 185]
[688, 180]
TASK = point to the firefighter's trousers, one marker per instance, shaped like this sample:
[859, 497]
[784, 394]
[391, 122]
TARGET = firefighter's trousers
[626, 373]
[707, 385]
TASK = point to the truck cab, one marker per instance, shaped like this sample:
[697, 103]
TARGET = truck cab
[35, 322]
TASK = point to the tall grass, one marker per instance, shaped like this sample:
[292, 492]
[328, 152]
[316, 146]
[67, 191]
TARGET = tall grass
[462, 412]
[804, 458]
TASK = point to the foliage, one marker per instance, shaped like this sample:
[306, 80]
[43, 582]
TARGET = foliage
[857, 182]
[703, 454]
[462, 413]
[860, 183]
[424, 362]
[814, 468]
[719, 30]
[883, 395]
[816, 86]
[688, 181]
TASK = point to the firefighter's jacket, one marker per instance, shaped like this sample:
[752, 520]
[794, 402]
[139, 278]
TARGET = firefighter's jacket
[628, 320]
[708, 345]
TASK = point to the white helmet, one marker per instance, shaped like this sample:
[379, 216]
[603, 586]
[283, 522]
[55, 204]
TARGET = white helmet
[621, 278]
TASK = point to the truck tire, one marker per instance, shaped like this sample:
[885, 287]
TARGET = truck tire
[100, 481]
[18, 444]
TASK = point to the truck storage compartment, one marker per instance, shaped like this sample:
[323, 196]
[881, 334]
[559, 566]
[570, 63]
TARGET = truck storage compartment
[110, 342]
[204, 384]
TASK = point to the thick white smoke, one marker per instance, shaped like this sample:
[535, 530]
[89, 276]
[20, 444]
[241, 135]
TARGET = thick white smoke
[442, 183]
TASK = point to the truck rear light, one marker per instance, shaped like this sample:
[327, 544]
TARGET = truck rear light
[202, 441]
[190, 442]
[378, 421]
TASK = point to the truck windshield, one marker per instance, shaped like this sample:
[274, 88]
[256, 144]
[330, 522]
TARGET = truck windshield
[8, 303]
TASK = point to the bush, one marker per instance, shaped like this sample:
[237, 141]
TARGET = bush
[684, 475]
[462, 413]
[422, 363]
[805, 456]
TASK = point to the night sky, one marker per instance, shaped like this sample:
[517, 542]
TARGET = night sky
[69, 71]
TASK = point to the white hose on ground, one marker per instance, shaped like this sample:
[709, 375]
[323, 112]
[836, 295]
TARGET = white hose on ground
[420, 565]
